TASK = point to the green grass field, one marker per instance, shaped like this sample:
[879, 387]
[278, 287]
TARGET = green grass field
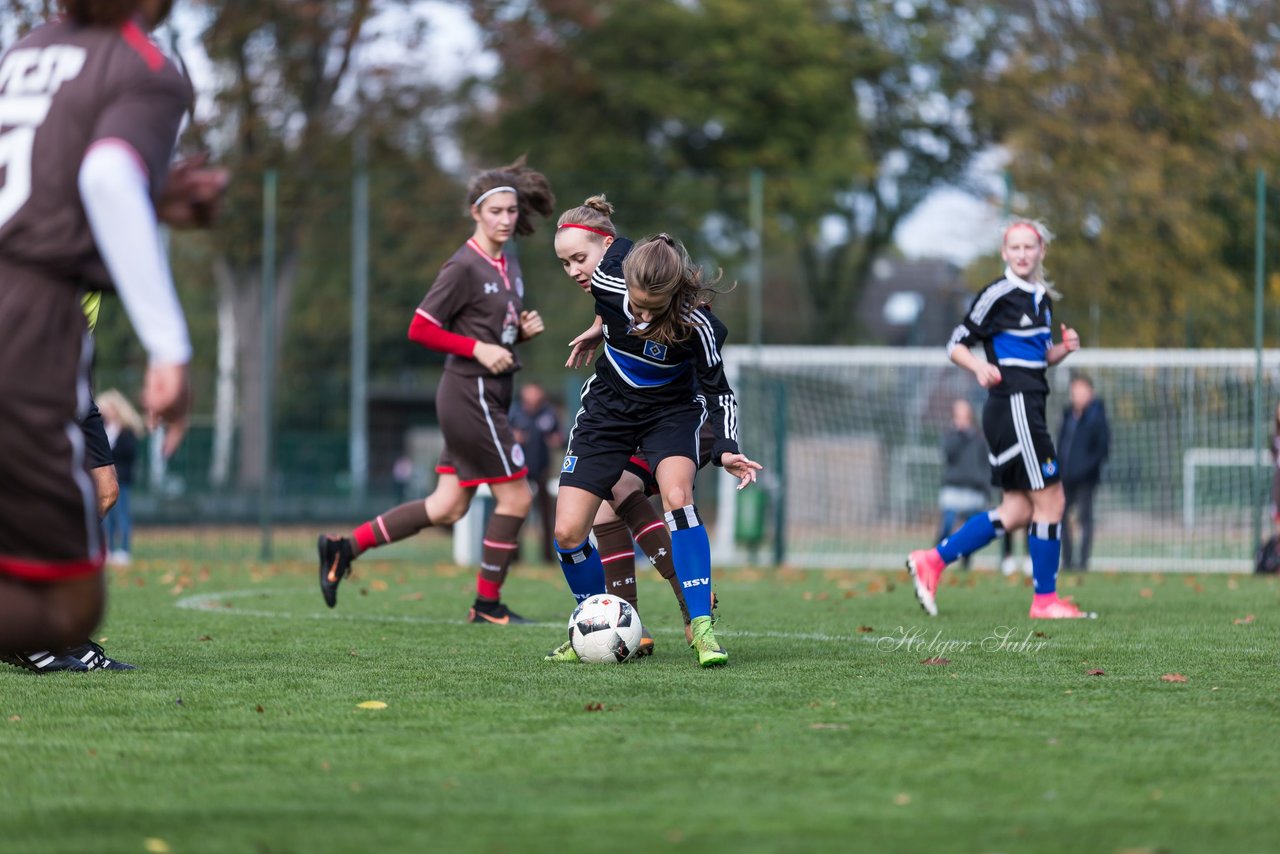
[829, 731]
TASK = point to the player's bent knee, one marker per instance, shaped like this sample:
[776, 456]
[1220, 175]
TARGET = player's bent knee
[569, 535]
[676, 497]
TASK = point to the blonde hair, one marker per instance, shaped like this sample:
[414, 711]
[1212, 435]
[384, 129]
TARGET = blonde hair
[660, 266]
[594, 215]
[123, 409]
[1040, 275]
[533, 191]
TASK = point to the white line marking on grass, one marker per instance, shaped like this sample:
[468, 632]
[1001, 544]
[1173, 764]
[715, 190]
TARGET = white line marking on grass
[211, 603]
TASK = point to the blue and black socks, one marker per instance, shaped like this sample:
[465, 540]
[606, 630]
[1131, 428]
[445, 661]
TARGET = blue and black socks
[691, 551]
[976, 532]
[582, 569]
[1044, 542]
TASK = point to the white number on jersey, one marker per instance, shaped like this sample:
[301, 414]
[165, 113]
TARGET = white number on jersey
[28, 80]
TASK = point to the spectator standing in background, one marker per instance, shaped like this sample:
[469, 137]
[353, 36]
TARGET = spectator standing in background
[124, 426]
[1275, 461]
[966, 472]
[1083, 445]
[537, 429]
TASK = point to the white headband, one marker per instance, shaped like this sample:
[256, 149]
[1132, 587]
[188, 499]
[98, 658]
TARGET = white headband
[487, 193]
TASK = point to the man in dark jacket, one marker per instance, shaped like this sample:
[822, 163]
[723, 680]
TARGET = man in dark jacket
[1083, 444]
[966, 471]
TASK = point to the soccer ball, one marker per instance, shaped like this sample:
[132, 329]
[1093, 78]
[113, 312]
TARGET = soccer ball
[605, 629]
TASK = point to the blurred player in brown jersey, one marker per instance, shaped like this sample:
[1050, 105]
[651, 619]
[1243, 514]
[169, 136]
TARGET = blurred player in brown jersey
[475, 313]
[89, 114]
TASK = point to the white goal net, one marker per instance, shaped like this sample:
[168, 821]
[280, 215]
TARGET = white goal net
[851, 441]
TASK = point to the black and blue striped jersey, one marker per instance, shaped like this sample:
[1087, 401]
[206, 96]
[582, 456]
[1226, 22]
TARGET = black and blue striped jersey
[643, 375]
[1013, 318]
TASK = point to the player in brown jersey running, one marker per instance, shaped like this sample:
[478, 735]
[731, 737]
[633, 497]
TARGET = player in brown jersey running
[475, 313]
[89, 114]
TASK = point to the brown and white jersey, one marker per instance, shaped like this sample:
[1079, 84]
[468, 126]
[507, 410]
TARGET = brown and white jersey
[478, 296]
[64, 88]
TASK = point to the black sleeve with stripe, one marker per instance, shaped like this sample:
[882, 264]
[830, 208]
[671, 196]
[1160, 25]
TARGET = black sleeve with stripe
[722, 406]
[976, 325]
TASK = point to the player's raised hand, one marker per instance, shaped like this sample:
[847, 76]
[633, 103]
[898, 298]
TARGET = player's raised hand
[531, 325]
[1070, 339]
[583, 347]
[740, 467]
[166, 397]
[494, 357]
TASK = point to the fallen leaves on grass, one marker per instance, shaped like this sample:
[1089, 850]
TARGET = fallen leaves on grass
[1173, 677]
[205, 638]
[258, 708]
[411, 597]
[1146, 593]
[936, 661]
[1042, 635]
[1097, 671]
[156, 845]
[378, 584]
[371, 704]
[13, 719]
[901, 799]
[593, 707]
[865, 630]
[1245, 620]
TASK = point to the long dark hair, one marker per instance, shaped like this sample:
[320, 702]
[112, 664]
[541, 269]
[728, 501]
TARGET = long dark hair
[533, 191]
[660, 266]
[108, 13]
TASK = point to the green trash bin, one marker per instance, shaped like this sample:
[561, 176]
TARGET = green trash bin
[750, 517]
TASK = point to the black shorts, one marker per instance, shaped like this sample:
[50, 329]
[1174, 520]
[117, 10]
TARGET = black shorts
[639, 466]
[606, 440]
[97, 448]
[1022, 455]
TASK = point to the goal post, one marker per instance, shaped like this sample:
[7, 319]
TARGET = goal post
[851, 442]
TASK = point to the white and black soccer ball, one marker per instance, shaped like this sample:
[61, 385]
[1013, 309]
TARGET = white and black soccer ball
[605, 629]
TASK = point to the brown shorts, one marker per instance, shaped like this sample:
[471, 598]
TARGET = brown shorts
[49, 528]
[479, 445]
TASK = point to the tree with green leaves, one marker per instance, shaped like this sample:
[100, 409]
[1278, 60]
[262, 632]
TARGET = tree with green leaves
[292, 84]
[1136, 128]
[853, 110]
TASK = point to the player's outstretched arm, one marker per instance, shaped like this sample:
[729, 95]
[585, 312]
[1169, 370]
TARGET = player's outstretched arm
[740, 467]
